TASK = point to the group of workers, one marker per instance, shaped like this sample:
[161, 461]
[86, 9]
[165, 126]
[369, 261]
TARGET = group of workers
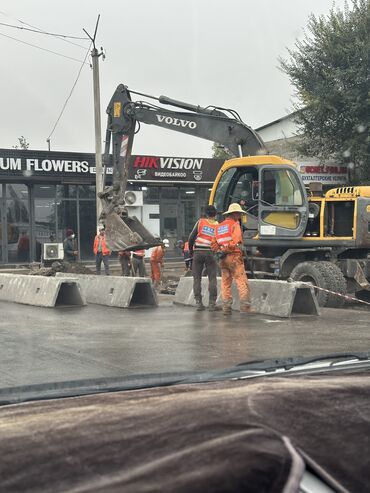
[209, 241]
[132, 263]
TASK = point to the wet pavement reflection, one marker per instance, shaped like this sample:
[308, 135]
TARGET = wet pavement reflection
[39, 345]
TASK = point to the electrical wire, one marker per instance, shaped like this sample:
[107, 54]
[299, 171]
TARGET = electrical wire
[43, 49]
[41, 30]
[70, 94]
[38, 31]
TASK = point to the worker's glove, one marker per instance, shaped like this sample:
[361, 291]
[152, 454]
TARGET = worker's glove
[220, 255]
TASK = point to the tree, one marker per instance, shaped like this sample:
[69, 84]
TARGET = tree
[330, 70]
[22, 143]
[221, 152]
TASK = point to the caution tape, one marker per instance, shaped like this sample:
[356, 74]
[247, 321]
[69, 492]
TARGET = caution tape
[345, 296]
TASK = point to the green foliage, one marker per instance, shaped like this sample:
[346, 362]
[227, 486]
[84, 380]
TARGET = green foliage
[330, 69]
[22, 143]
[220, 152]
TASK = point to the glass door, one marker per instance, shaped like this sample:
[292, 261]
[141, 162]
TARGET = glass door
[17, 234]
[283, 206]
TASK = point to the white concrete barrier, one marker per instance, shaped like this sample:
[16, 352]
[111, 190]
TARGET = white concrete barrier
[40, 290]
[118, 291]
[269, 297]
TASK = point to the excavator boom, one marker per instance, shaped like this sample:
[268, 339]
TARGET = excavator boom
[215, 124]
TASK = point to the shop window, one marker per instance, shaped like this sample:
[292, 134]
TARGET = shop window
[187, 193]
[169, 193]
[44, 191]
[86, 191]
[66, 191]
[66, 217]
[18, 223]
[151, 194]
[87, 212]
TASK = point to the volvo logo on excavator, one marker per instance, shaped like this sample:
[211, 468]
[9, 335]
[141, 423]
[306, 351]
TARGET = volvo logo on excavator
[176, 122]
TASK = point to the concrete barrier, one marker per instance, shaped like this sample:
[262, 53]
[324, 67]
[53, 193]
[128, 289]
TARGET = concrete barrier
[268, 297]
[118, 291]
[40, 291]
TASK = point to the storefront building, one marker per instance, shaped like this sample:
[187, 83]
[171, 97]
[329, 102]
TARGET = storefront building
[42, 194]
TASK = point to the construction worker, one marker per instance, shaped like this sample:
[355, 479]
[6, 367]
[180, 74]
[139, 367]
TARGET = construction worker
[138, 263]
[125, 261]
[70, 247]
[157, 262]
[101, 251]
[188, 258]
[200, 242]
[228, 243]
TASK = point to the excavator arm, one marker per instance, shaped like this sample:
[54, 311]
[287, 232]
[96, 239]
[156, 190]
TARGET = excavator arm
[215, 124]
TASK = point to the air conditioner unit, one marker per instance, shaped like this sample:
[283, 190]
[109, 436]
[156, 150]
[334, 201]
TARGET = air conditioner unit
[53, 251]
[134, 198]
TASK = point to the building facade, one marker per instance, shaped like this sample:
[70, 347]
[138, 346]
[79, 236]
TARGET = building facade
[42, 194]
[280, 137]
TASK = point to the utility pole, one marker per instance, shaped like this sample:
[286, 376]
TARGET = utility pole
[95, 54]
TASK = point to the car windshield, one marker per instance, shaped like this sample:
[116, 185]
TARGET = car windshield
[184, 188]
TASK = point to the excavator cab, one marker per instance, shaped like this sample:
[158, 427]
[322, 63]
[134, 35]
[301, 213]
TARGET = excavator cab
[271, 192]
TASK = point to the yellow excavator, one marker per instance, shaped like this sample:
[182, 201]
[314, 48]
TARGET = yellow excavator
[289, 233]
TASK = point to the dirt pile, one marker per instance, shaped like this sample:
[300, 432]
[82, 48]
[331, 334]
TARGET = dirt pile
[60, 266]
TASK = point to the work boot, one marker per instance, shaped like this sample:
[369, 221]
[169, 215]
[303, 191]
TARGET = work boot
[245, 309]
[199, 305]
[212, 307]
[226, 308]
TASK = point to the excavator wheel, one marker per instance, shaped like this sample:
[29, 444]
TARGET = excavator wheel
[324, 275]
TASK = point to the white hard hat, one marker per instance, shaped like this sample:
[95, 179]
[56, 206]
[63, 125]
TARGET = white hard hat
[166, 243]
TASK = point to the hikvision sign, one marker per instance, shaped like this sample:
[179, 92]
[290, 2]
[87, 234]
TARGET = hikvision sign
[167, 162]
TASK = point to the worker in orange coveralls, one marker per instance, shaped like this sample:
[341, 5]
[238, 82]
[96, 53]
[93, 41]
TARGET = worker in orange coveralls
[228, 244]
[157, 262]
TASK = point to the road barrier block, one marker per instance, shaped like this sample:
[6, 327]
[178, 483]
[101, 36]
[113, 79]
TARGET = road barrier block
[118, 291]
[40, 291]
[268, 297]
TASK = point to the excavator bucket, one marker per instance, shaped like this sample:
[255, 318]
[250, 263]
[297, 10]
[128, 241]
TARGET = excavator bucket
[127, 233]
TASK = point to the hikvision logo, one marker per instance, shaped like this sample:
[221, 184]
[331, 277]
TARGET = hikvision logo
[167, 162]
[176, 122]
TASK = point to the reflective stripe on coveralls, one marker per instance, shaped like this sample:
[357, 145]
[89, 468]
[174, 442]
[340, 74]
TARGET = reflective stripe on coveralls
[232, 265]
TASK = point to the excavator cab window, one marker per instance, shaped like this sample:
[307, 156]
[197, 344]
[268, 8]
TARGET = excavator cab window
[280, 187]
[282, 209]
[238, 185]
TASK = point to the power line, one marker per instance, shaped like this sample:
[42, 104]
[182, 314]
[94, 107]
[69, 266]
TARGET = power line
[43, 49]
[70, 94]
[38, 31]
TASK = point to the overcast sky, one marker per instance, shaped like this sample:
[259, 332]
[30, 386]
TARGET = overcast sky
[204, 52]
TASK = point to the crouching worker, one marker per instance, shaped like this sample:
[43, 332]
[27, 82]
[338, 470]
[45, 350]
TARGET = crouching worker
[228, 244]
[157, 262]
[200, 241]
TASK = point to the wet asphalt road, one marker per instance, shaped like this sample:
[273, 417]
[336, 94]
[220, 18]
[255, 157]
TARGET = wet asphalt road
[39, 345]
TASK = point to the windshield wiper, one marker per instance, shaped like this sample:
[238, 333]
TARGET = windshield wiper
[255, 368]
[291, 362]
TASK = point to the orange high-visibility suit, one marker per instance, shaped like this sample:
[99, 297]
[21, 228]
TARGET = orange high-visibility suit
[228, 241]
[156, 262]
